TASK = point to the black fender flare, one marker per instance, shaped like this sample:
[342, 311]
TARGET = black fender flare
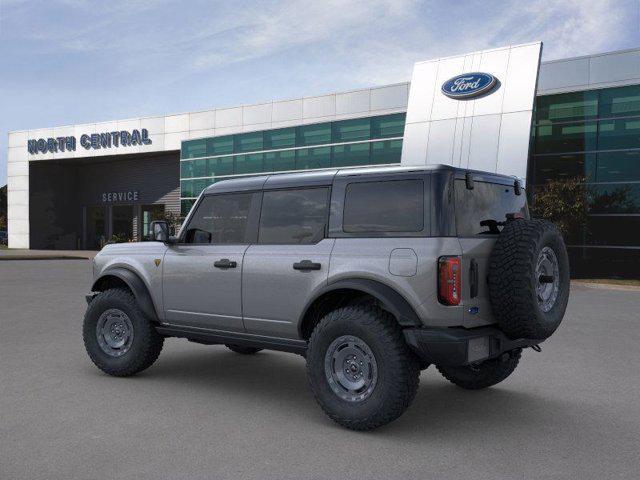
[135, 284]
[392, 301]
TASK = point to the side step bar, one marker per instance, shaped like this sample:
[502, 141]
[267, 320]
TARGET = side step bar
[212, 337]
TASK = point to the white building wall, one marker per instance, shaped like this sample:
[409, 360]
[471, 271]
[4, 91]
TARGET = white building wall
[490, 132]
[604, 70]
[446, 138]
[167, 133]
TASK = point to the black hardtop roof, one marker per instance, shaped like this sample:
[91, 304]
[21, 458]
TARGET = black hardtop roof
[326, 177]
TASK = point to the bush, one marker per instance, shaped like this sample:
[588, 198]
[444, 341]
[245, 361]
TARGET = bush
[563, 202]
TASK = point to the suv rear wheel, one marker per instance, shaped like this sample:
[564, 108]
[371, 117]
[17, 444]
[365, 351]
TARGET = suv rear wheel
[119, 339]
[360, 370]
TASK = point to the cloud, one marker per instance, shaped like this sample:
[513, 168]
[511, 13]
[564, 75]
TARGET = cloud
[376, 38]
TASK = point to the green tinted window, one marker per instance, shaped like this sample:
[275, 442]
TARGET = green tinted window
[280, 138]
[574, 137]
[220, 166]
[252, 163]
[567, 107]
[220, 145]
[198, 186]
[554, 167]
[615, 134]
[350, 155]
[248, 142]
[186, 188]
[619, 166]
[351, 130]
[387, 126]
[307, 158]
[199, 168]
[615, 198]
[186, 169]
[385, 152]
[313, 134]
[280, 161]
[620, 102]
[194, 148]
[185, 206]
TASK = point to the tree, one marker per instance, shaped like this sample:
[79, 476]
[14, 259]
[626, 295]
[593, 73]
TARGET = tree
[565, 203]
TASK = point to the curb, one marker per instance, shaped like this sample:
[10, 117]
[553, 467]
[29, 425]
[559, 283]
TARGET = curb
[607, 286]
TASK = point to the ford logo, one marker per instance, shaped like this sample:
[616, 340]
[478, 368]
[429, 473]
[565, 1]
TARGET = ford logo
[469, 85]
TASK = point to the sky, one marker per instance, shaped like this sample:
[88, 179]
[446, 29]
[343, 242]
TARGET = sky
[65, 62]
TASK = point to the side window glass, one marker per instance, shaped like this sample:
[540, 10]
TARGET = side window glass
[294, 216]
[220, 219]
[384, 206]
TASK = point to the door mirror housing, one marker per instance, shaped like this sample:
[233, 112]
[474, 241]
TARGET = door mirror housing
[160, 231]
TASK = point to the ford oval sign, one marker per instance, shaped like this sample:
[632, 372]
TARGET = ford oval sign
[468, 85]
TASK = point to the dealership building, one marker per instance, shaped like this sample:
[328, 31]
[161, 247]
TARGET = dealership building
[79, 186]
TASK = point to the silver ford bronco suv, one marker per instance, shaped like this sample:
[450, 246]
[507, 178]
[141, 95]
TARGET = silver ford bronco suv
[371, 274]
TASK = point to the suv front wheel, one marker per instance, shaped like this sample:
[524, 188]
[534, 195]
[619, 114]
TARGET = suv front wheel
[360, 370]
[118, 337]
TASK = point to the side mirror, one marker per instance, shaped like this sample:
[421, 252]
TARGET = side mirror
[159, 231]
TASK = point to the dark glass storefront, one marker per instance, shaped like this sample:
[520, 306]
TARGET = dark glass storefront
[594, 136]
[361, 141]
[88, 202]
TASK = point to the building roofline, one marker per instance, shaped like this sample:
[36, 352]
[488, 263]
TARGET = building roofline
[602, 54]
[354, 90]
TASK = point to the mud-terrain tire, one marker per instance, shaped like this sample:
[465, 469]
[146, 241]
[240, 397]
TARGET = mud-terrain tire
[367, 338]
[118, 337]
[486, 374]
[242, 349]
[529, 279]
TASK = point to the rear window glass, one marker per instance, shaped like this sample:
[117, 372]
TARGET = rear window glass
[481, 211]
[387, 206]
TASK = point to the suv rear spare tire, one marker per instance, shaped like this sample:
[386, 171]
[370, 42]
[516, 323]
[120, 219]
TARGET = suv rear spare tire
[529, 279]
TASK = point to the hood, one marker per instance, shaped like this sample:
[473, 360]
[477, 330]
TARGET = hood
[133, 248]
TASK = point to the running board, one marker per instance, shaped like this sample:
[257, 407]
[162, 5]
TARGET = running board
[212, 337]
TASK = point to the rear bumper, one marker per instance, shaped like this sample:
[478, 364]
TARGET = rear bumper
[455, 347]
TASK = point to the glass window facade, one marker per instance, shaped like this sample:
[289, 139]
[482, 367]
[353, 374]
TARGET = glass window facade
[594, 136]
[356, 142]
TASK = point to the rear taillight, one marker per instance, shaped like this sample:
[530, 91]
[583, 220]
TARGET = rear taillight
[449, 280]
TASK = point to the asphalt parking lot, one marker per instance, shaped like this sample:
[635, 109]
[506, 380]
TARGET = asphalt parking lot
[572, 411]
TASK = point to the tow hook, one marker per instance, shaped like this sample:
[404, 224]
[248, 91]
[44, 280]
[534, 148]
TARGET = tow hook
[536, 348]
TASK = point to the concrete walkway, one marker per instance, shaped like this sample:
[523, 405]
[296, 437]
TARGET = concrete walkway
[23, 254]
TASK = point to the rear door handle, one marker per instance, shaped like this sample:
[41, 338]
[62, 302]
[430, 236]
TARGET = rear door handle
[305, 265]
[225, 263]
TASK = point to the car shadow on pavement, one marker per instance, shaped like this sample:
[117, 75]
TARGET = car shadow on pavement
[279, 381]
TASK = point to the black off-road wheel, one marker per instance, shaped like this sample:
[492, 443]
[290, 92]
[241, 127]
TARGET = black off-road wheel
[118, 337]
[529, 279]
[360, 370]
[242, 349]
[486, 374]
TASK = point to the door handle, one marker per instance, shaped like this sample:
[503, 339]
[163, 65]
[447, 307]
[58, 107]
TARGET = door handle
[306, 265]
[225, 263]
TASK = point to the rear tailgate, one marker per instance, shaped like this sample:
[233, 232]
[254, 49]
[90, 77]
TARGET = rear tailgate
[479, 213]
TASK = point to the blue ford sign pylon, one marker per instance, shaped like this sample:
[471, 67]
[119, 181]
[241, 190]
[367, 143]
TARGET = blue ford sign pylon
[469, 85]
